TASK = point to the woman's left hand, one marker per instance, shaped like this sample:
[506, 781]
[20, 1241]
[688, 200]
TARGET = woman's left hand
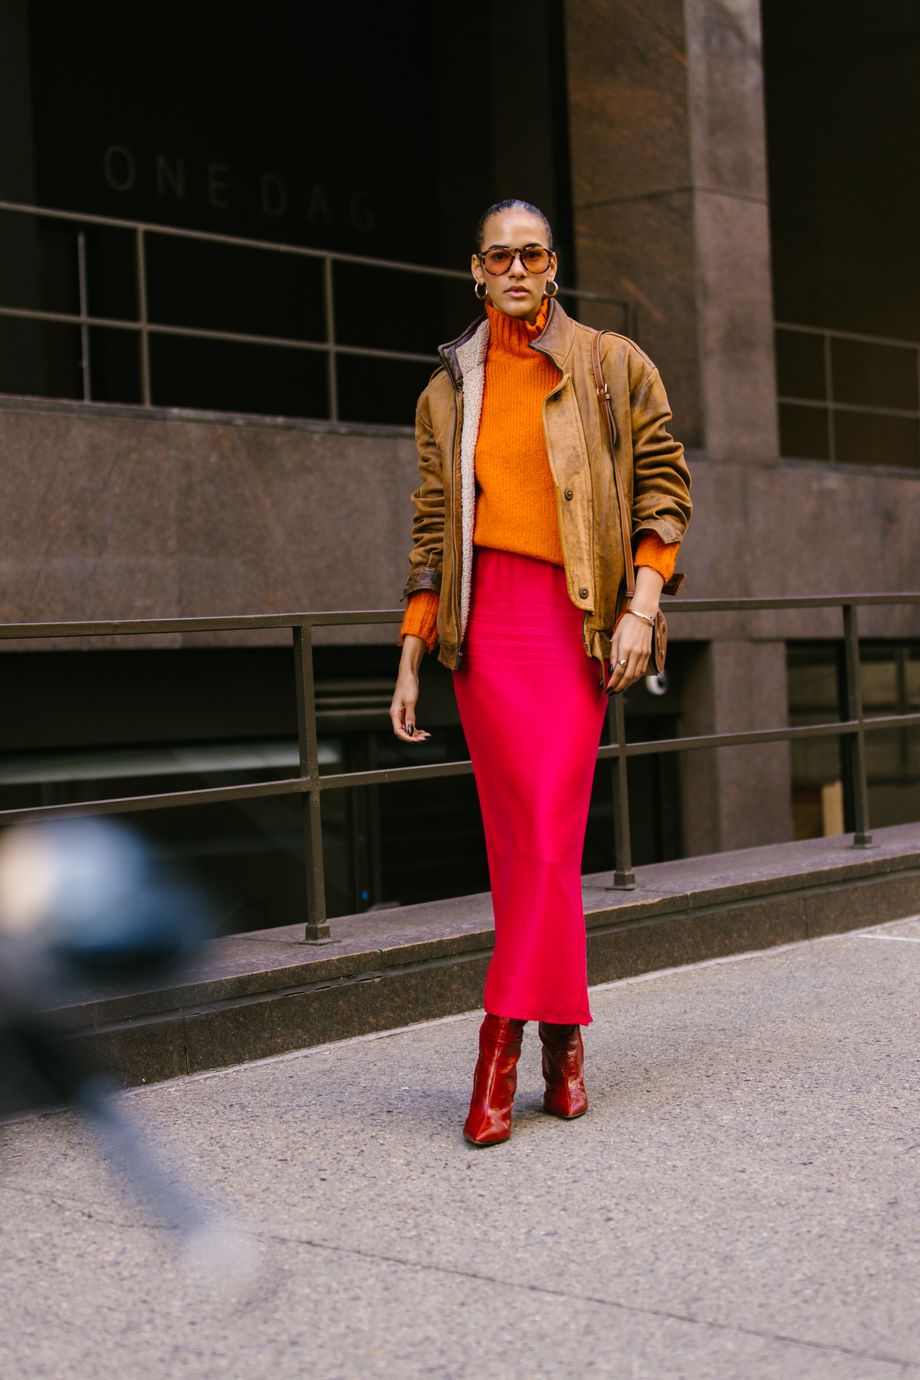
[631, 642]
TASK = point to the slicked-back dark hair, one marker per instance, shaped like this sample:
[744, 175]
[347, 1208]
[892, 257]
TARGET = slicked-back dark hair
[512, 205]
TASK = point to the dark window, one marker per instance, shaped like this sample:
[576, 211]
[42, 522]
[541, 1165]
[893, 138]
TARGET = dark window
[285, 132]
[840, 80]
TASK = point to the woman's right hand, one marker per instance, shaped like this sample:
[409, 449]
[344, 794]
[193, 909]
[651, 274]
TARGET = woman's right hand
[405, 699]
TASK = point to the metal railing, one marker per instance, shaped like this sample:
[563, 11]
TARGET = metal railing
[144, 327]
[311, 786]
[834, 406]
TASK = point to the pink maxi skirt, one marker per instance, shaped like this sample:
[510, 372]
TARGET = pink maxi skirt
[532, 711]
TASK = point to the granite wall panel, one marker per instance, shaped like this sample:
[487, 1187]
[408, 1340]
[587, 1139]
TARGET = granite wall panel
[114, 517]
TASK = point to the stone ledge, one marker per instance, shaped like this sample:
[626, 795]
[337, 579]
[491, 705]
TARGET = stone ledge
[253, 995]
[199, 416]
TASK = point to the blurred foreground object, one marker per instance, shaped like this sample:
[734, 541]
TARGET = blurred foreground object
[85, 899]
[93, 897]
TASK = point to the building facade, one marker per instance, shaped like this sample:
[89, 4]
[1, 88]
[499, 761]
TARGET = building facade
[726, 184]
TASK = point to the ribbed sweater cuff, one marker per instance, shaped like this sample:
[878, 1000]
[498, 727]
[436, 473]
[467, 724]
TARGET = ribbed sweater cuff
[421, 617]
[661, 556]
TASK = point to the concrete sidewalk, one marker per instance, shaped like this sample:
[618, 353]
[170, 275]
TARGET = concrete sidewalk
[742, 1201]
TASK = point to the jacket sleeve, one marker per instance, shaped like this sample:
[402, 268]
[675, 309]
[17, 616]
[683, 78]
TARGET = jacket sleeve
[661, 479]
[425, 558]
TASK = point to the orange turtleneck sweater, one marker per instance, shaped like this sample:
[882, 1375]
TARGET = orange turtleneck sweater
[515, 493]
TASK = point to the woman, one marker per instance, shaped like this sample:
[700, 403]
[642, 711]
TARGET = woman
[516, 573]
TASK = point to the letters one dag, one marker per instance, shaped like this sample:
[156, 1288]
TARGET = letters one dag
[173, 179]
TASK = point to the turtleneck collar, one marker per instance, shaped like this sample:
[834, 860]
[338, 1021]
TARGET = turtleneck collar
[513, 333]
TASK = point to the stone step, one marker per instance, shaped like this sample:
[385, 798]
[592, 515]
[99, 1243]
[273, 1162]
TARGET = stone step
[250, 996]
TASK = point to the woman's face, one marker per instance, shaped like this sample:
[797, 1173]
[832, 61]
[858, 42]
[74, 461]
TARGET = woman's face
[516, 292]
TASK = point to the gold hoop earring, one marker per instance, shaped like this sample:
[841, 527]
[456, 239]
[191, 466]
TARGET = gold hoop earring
[555, 288]
[485, 291]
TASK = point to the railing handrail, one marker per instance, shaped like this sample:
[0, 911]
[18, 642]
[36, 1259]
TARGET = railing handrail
[255, 622]
[309, 784]
[276, 246]
[144, 327]
[847, 335]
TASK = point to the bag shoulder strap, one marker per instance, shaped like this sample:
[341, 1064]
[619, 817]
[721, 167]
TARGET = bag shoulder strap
[603, 397]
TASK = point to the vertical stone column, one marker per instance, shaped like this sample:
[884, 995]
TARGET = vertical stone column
[670, 202]
[734, 296]
[669, 183]
[735, 797]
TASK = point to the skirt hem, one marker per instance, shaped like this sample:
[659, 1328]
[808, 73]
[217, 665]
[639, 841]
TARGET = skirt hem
[548, 1020]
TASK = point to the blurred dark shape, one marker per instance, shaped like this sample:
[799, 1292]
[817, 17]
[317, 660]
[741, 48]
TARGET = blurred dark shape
[92, 893]
[82, 900]
[85, 904]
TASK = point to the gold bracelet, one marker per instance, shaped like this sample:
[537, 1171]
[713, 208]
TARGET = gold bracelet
[646, 616]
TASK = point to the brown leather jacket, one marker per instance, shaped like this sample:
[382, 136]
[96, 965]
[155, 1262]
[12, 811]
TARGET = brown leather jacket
[655, 476]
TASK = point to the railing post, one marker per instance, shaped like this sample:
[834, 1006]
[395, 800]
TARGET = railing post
[829, 389]
[317, 928]
[331, 367]
[855, 743]
[624, 879]
[84, 313]
[144, 339]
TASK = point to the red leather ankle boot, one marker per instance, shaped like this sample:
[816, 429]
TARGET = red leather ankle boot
[495, 1081]
[563, 1069]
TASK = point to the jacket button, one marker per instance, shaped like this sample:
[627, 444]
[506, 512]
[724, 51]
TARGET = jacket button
[568, 493]
[583, 592]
